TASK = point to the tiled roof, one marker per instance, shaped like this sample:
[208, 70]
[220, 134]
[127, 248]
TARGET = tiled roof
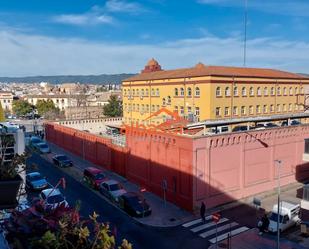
[202, 70]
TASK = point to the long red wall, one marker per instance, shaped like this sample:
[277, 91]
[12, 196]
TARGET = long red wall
[150, 159]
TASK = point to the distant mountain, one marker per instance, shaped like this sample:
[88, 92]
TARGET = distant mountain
[93, 79]
[304, 74]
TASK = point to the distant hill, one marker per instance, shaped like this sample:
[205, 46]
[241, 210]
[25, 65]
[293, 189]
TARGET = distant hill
[93, 79]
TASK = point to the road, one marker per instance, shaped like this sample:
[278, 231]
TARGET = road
[139, 235]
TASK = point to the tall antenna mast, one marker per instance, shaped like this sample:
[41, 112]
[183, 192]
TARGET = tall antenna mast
[245, 36]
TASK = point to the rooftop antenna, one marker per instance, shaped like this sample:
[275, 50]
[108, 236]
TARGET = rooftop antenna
[245, 36]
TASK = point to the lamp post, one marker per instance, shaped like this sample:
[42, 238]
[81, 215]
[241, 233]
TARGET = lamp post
[278, 162]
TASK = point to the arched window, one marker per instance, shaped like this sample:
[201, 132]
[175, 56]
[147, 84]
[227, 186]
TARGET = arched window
[227, 91]
[189, 91]
[272, 109]
[152, 108]
[272, 91]
[278, 91]
[169, 100]
[158, 92]
[163, 102]
[285, 92]
[296, 90]
[147, 108]
[258, 109]
[291, 91]
[251, 91]
[244, 91]
[197, 91]
[133, 92]
[258, 91]
[143, 92]
[176, 91]
[146, 92]
[182, 91]
[250, 109]
[235, 92]
[265, 91]
[152, 92]
[218, 91]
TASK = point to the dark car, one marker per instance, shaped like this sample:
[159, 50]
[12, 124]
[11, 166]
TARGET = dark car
[34, 140]
[133, 204]
[62, 161]
[270, 125]
[240, 128]
[35, 181]
[94, 177]
[295, 122]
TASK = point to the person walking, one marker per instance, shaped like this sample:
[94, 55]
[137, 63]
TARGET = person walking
[203, 211]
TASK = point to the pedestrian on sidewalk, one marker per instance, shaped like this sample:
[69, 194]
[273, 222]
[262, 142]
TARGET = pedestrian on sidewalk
[203, 211]
[263, 224]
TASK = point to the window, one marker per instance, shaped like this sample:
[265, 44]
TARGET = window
[265, 109]
[296, 107]
[278, 108]
[235, 92]
[218, 91]
[290, 107]
[176, 91]
[137, 92]
[147, 108]
[235, 110]
[197, 111]
[258, 109]
[258, 92]
[182, 110]
[291, 91]
[284, 107]
[272, 109]
[250, 109]
[182, 92]
[227, 92]
[169, 100]
[143, 108]
[296, 90]
[152, 108]
[189, 109]
[133, 92]
[272, 91]
[146, 92]
[251, 91]
[285, 91]
[243, 110]
[278, 91]
[158, 107]
[226, 111]
[4, 101]
[218, 111]
[163, 102]
[158, 92]
[176, 109]
[244, 91]
[189, 92]
[265, 91]
[143, 92]
[197, 91]
[152, 92]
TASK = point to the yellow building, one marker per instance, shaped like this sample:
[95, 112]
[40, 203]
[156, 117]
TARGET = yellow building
[211, 92]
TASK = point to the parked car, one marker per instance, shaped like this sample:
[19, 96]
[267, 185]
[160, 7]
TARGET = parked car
[270, 125]
[288, 216]
[35, 140]
[42, 148]
[35, 181]
[135, 205]
[62, 161]
[295, 122]
[52, 198]
[94, 177]
[240, 128]
[111, 189]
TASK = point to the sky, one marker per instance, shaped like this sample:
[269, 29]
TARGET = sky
[61, 37]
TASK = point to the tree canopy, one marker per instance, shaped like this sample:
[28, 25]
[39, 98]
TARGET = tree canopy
[21, 107]
[113, 108]
[46, 106]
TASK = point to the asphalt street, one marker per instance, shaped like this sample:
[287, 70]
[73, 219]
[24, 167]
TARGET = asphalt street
[139, 235]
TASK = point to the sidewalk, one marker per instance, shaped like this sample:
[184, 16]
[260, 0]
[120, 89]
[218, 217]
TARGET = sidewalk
[163, 214]
[251, 240]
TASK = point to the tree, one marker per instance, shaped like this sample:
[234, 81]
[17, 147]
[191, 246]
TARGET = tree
[21, 107]
[2, 117]
[113, 108]
[46, 106]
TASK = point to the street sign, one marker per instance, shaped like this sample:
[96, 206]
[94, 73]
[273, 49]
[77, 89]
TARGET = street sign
[216, 217]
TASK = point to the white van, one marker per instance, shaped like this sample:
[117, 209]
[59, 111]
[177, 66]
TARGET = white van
[289, 216]
[220, 129]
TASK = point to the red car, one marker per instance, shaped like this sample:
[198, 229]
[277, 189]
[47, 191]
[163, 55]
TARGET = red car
[94, 177]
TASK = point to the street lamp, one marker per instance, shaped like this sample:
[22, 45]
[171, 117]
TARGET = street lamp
[278, 162]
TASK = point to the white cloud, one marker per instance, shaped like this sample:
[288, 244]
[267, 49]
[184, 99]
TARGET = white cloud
[89, 18]
[123, 6]
[283, 7]
[24, 54]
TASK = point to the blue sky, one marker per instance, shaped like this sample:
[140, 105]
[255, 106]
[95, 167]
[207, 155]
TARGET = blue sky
[53, 37]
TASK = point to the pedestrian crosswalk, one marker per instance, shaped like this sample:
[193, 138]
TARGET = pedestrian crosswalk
[208, 229]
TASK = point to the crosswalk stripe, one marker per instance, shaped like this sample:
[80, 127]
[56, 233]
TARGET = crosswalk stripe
[221, 228]
[191, 223]
[210, 224]
[224, 236]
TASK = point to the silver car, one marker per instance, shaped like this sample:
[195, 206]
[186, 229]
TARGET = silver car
[112, 189]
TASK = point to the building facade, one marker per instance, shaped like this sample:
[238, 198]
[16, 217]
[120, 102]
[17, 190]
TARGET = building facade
[6, 99]
[210, 92]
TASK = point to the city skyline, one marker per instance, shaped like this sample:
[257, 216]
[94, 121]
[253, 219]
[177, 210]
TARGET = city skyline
[117, 36]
